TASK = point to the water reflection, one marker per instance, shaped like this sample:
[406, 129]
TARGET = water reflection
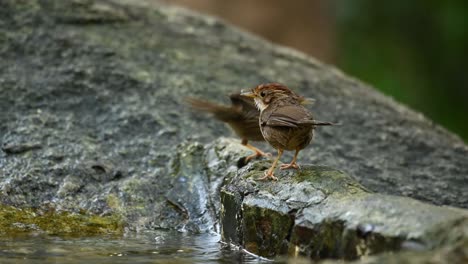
[150, 247]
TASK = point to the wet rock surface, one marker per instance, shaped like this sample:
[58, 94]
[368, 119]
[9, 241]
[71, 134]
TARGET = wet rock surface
[103, 81]
[92, 121]
[451, 241]
[322, 213]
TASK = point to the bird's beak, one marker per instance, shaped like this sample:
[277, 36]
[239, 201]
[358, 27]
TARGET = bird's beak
[248, 94]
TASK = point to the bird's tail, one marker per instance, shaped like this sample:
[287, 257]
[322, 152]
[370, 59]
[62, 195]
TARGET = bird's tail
[320, 123]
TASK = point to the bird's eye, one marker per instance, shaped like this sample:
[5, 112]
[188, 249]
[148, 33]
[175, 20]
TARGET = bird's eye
[262, 94]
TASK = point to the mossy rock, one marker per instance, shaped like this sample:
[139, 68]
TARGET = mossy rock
[322, 213]
[14, 221]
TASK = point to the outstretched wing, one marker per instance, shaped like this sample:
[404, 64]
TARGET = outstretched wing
[245, 105]
[220, 112]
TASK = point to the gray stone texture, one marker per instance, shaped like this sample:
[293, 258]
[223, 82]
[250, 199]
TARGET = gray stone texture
[92, 119]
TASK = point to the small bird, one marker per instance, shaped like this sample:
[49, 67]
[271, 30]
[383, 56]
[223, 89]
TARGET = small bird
[284, 122]
[242, 116]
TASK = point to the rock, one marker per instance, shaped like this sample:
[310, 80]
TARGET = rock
[320, 212]
[103, 81]
[92, 121]
[453, 248]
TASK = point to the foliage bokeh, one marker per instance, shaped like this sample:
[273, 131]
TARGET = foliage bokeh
[414, 51]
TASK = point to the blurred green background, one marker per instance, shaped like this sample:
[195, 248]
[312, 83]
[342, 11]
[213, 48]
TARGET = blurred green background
[414, 51]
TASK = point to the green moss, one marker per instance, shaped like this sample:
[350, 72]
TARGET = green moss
[113, 202]
[329, 180]
[318, 173]
[15, 221]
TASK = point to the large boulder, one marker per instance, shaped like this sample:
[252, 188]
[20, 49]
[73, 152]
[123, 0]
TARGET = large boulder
[93, 121]
[83, 80]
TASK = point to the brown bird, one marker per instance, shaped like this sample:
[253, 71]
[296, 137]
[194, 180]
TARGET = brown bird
[284, 122]
[242, 116]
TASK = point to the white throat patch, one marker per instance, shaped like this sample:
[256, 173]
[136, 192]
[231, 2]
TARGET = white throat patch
[260, 104]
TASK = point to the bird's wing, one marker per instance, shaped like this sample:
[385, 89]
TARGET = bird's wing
[245, 105]
[223, 113]
[288, 116]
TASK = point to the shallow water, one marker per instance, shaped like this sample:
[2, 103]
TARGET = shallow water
[150, 247]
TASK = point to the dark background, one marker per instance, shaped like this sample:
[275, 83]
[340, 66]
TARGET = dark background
[414, 51]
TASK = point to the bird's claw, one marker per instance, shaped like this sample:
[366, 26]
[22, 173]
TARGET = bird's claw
[256, 155]
[268, 175]
[292, 165]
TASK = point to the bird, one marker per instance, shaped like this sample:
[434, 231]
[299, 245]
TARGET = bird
[242, 116]
[284, 122]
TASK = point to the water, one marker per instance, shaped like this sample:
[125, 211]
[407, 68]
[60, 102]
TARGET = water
[151, 247]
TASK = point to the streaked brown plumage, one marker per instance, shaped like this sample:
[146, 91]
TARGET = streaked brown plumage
[284, 122]
[242, 116]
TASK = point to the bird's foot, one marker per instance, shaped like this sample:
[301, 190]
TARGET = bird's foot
[257, 154]
[292, 165]
[268, 175]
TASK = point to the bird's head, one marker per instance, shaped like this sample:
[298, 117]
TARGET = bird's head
[265, 94]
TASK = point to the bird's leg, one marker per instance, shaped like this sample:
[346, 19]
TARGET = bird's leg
[269, 173]
[258, 152]
[293, 163]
